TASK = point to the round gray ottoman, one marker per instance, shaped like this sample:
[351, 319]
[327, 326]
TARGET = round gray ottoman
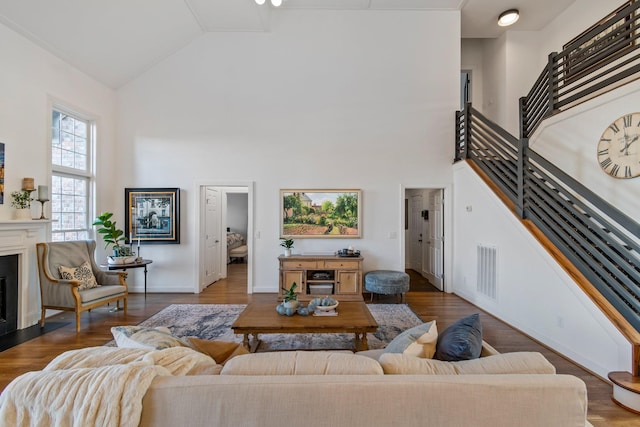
[386, 282]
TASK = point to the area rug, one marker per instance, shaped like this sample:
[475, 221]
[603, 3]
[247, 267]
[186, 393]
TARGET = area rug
[213, 322]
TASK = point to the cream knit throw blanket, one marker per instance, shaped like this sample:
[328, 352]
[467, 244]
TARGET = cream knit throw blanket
[97, 386]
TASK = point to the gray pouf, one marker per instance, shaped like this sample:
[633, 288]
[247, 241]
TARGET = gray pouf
[386, 282]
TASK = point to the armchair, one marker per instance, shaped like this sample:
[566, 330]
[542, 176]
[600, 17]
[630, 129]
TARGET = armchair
[58, 293]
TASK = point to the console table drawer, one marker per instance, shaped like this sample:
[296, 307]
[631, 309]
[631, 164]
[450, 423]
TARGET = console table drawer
[350, 265]
[298, 264]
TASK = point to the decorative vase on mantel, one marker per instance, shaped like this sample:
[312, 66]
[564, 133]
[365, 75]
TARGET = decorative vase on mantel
[23, 214]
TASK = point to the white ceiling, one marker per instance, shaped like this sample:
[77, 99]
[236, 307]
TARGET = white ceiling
[115, 41]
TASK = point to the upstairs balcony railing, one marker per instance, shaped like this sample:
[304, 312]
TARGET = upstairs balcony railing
[601, 241]
[600, 59]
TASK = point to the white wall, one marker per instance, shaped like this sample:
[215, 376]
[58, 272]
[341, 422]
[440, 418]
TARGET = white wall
[30, 80]
[348, 99]
[569, 140]
[524, 64]
[534, 294]
[494, 98]
[237, 212]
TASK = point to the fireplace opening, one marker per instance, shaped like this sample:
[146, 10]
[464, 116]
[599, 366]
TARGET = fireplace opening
[8, 294]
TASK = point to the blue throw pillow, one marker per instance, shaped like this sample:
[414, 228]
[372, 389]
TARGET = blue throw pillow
[460, 341]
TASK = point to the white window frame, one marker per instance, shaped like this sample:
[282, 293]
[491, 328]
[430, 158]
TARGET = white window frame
[88, 174]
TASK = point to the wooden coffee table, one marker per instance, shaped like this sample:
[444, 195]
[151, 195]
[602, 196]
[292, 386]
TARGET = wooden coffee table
[261, 318]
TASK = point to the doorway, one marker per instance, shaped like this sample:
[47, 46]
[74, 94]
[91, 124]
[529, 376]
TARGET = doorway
[424, 237]
[225, 222]
[465, 88]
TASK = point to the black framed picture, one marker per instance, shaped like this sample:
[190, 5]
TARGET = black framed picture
[152, 215]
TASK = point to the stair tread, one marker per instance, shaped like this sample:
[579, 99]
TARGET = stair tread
[626, 381]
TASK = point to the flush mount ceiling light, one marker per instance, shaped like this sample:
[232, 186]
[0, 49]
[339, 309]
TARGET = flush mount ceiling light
[274, 3]
[508, 17]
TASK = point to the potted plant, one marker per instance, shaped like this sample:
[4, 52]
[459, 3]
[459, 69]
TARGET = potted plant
[21, 200]
[112, 235]
[290, 296]
[287, 244]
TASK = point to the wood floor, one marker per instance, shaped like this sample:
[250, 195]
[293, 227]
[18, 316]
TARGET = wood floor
[445, 308]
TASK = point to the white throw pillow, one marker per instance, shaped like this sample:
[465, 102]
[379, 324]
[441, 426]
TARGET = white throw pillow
[150, 338]
[419, 341]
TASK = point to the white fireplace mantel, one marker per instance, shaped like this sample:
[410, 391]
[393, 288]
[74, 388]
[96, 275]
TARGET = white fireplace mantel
[19, 238]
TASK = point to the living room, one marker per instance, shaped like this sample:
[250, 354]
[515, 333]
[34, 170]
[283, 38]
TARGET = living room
[325, 99]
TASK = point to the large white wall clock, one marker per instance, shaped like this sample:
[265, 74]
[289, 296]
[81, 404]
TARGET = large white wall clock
[619, 147]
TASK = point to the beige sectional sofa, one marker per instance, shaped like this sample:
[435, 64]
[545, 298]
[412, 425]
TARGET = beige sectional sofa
[366, 400]
[336, 389]
[320, 389]
[182, 387]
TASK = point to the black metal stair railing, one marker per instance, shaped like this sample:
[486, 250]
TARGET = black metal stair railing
[492, 148]
[602, 242]
[599, 240]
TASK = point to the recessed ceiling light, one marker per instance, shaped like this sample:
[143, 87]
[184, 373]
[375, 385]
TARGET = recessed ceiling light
[275, 3]
[508, 17]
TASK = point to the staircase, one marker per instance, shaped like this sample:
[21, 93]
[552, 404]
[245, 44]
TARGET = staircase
[594, 242]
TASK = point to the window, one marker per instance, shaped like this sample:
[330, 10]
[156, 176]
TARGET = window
[71, 140]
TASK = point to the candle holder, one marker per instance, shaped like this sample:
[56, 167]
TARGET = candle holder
[42, 202]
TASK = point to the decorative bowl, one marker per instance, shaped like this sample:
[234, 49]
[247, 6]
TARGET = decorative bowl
[119, 260]
[326, 307]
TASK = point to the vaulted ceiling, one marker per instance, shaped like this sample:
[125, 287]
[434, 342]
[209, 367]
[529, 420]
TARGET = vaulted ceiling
[115, 41]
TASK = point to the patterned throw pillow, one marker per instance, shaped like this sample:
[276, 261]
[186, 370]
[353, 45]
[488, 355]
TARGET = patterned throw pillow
[157, 338]
[419, 341]
[83, 273]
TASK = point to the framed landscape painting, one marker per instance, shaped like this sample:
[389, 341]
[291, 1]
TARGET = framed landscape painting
[320, 213]
[153, 215]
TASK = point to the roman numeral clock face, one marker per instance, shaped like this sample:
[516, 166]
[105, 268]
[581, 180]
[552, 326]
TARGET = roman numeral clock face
[619, 147]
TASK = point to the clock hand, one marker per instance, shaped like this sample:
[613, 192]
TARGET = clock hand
[625, 149]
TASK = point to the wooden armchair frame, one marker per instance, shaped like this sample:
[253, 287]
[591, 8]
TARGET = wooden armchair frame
[60, 294]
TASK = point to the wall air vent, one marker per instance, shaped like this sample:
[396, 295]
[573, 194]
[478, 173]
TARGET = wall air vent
[487, 271]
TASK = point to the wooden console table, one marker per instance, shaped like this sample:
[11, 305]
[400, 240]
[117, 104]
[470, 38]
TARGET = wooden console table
[322, 275]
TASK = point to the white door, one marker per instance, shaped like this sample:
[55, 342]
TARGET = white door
[212, 239]
[426, 259]
[415, 232]
[436, 240]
